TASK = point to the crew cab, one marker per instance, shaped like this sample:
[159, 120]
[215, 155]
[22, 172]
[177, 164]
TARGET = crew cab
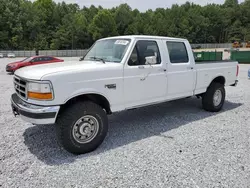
[117, 73]
[30, 61]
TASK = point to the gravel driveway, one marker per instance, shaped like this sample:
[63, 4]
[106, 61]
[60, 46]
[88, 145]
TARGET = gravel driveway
[176, 144]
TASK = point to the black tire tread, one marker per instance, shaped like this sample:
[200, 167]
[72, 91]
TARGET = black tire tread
[67, 118]
[207, 98]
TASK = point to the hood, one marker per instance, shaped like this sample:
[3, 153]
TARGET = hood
[36, 72]
[15, 63]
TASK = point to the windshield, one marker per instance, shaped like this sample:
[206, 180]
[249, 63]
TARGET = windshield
[110, 50]
[27, 59]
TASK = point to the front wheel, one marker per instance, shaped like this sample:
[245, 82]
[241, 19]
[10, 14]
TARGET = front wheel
[213, 100]
[82, 127]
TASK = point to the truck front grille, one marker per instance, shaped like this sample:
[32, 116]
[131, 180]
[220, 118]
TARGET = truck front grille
[20, 87]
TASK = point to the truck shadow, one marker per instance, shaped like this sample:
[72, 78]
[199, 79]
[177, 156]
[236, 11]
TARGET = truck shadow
[125, 127]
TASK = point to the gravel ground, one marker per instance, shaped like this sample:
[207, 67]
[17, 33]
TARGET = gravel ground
[176, 144]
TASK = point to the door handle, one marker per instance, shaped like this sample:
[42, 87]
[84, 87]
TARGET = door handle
[190, 68]
[162, 69]
[141, 67]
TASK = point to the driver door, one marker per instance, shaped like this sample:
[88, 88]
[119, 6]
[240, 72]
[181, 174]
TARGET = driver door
[34, 61]
[144, 84]
[38, 60]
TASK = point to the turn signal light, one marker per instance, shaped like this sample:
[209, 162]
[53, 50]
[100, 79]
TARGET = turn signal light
[41, 96]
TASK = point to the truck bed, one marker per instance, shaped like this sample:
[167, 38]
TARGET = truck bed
[206, 71]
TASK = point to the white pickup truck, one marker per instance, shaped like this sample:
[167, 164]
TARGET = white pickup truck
[117, 73]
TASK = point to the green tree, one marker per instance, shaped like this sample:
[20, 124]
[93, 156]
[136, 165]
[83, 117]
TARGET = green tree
[45, 24]
[103, 25]
[71, 33]
[231, 3]
[123, 18]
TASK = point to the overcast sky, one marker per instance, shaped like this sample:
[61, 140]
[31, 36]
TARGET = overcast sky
[142, 5]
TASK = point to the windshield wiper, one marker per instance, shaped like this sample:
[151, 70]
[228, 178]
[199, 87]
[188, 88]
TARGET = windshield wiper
[98, 59]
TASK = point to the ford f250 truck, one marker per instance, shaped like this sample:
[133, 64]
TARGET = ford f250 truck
[116, 74]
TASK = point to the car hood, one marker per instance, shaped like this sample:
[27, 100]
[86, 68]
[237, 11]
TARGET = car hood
[36, 72]
[15, 63]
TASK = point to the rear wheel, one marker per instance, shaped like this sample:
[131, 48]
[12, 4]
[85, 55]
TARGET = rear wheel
[82, 127]
[213, 100]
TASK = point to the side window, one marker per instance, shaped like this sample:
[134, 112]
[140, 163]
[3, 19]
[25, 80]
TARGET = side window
[46, 58]
[177, 52]
[35, 60]
[142, 50]
[133, 60]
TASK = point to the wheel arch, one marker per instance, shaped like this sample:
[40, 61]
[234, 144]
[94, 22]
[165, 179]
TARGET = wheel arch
[218, 79]
[94, 97]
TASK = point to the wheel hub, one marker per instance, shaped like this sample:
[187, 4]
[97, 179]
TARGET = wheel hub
[217, 97]
[85, 129]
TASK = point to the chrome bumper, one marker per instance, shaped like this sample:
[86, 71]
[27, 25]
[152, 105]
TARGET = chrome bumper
[32, 113]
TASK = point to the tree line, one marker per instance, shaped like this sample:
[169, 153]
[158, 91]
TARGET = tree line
[44, 24]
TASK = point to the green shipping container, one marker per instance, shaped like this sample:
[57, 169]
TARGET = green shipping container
[208, 56]
[241, 56]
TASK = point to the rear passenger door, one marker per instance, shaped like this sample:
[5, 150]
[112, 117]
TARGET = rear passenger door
[44, 60]
[181, 74]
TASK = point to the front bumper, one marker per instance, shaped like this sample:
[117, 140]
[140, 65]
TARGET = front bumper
[39, 115]
[9, 69]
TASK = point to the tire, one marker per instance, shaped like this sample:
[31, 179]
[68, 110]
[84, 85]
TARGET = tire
[82, 127]
[211, 101]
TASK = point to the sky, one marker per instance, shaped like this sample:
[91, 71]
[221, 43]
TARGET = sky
[141, 5]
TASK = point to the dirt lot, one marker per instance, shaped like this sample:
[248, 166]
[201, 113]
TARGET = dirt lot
[175, 144]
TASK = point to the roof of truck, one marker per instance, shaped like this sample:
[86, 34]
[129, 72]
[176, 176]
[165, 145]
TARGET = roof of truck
[145, 37]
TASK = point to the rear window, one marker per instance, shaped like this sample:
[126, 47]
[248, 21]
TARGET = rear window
[177, 52]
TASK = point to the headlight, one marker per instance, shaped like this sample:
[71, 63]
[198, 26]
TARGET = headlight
[40, 91]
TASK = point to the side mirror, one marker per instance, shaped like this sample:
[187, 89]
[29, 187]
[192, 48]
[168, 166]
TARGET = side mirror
[150, 60]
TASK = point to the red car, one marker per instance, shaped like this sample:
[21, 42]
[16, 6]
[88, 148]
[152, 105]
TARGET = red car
[29, 61]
